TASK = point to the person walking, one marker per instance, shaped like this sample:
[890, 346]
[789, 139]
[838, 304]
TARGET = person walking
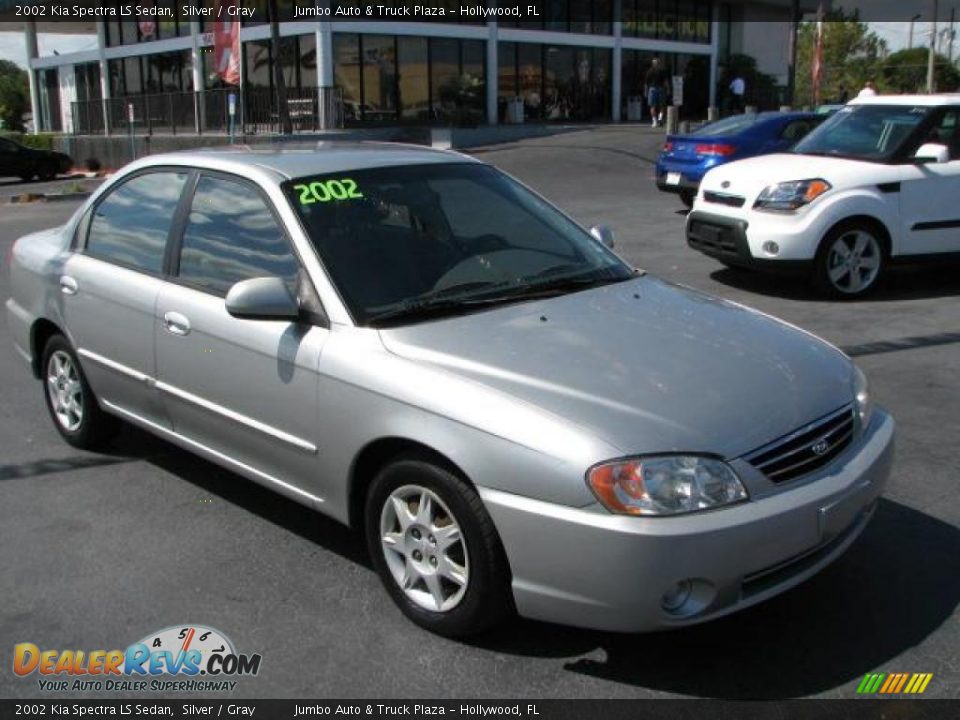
[738, 91]
[654, 82]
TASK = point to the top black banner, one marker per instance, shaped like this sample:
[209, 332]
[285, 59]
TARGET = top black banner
[539, 13]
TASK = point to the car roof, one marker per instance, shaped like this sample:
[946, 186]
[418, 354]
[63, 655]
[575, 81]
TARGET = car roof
[292, 160]
[912, 100]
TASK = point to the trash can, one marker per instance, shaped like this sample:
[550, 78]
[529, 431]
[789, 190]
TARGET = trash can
[635, 108]
[515, 111]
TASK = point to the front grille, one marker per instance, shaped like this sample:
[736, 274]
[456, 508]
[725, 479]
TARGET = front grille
[807, 449]
[710, 238]
[723, 199]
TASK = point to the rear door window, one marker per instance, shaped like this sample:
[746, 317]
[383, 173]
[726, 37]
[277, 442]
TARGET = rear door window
[131, 223]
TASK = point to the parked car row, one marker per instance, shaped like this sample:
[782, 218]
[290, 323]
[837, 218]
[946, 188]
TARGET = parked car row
[876, 184]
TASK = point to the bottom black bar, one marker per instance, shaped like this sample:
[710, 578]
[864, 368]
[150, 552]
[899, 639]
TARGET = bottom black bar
[483, 709]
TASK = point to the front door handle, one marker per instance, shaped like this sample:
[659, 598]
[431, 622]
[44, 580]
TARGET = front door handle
[176, 323]
[68, 286]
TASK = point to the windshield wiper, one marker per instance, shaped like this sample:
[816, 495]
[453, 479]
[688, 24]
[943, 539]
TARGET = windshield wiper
[440, 302]
[549, 285]
[437, 304]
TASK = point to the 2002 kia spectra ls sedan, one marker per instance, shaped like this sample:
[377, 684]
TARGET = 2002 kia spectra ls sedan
[414, 343]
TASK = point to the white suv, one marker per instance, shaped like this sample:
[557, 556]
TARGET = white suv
[878, 182]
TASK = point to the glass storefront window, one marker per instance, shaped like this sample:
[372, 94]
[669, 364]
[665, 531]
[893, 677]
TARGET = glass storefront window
[413, 82]
[379, 77]
[50, 112]
[256, 63]
[87, 78]
[473, 81]
[444, 76]
[386, 78]
[347, 74]
[530, 79]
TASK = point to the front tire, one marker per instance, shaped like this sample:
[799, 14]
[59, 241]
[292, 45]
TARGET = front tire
[435, 548]
[70, 400]
[850, 261]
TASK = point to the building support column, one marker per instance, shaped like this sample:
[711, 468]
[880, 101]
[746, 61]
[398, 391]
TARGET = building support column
[492, 72]
[327, 106]
[714, 51]
[196, 77]
[30, 33]
[616, 65]
[104, 74]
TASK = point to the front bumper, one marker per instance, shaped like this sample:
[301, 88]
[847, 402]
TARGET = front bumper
[726, 239]
[588, 568]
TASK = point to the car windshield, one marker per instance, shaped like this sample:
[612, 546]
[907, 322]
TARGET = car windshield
[416, 241]
[728, 126]
[864, 132]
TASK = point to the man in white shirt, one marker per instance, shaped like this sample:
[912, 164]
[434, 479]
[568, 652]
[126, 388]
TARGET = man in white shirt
[738, 88]
[869, 90]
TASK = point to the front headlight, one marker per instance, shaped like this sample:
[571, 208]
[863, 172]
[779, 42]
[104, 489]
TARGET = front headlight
[861, 391]
[789, 196]
[665, 485]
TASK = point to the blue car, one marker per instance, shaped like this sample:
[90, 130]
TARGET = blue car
[685, 159]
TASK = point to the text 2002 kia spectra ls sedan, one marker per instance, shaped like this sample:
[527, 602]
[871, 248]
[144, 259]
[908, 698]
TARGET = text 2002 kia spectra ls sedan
[412, 342]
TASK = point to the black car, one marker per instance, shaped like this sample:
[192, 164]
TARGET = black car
[26, 163]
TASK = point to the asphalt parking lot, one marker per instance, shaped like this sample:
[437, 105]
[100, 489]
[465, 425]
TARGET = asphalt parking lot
[99, 550]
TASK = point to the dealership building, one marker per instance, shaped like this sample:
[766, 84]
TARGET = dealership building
[583, 61]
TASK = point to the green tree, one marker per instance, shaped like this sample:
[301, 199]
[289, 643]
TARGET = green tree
[14, 95]
[906, 72]
[851, 56]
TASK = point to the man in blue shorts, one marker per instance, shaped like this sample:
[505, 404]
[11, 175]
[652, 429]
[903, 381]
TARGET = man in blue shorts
[654, 83]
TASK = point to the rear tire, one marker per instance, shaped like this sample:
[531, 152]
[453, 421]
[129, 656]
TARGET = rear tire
[850, 261]
[73, 407]
[687, 197]
[436, 549]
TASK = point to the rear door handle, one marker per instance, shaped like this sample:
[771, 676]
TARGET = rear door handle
[68, 286]
[176, 324]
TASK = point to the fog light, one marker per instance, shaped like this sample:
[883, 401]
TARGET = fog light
[771, 248]
[677, 596]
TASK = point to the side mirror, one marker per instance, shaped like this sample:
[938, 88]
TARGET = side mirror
[932, 153]
[263, 298]
[604, 235]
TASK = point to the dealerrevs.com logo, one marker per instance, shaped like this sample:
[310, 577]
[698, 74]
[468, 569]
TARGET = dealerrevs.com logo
[182, 658]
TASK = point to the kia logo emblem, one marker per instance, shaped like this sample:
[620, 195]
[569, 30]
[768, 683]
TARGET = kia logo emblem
[820, 448]
[725, 184]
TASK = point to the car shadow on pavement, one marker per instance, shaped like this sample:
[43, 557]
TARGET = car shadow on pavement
[236, 490]
[900, 283]
[897, 584]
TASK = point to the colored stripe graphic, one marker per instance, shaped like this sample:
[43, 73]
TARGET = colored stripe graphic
[894, 683]
[903, 680]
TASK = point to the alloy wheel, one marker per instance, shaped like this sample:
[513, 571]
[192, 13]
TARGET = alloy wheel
[64, 391]
[424, 548]
[853, 261]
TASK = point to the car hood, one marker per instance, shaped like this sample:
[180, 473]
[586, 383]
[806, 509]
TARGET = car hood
[749, 177]
[643, 365]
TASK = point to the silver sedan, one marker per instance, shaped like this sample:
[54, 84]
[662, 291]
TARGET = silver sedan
[414, 343]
